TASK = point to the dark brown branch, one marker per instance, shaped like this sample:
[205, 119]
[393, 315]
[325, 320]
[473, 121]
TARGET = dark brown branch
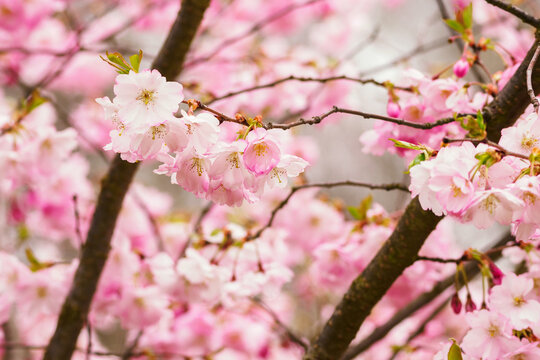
[401, 249]
[74, 312]
[517, 12]
[512, 101]
[530, 88]
[317, 119]
[397, 253]
[380, 332]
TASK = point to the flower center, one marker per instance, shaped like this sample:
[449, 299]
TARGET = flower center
[518, 301]
[146, 96]
[528, 142]
[260, 149]
[490, 204]
[493, 330]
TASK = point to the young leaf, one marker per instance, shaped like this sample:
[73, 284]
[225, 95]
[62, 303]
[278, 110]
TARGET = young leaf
[455, 352]
[407, 145]
[453, 24]
[467, 16]
[135, 61]
[354, 212]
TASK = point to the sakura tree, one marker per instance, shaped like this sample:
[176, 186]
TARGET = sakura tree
[229, 243]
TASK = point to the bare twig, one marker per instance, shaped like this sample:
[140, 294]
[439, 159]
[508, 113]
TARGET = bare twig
[290, 334]
[252, 30]
[196, 227]
[504, 151]
[386, 187]
[77, 220]
[128, 353]
[530, 89]
[517, 12]
[420, 329]
[365, 115]
[303, 79]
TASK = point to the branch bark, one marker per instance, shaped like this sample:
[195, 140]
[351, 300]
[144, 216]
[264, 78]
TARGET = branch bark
[401, 249]
[74, 312]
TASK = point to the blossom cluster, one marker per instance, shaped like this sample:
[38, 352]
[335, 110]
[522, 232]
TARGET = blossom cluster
[474, 184]
[197, 153]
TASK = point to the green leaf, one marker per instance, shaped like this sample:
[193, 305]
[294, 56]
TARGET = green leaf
[407, 145]
[34, 101]
[480, 120]
[34, 263]
[360, 212]
[417, 160]
[135, 61]
[467, 16]
[355, 213]
[455, 25]
[455, 352]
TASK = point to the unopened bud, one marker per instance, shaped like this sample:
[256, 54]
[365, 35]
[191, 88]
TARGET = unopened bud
[461, 67]
[496, 273]
[470, 306]
[455, 303]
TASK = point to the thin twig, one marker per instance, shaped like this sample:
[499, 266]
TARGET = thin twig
[89, 346]
[291, 335]
[196, 227]
[365, 115]
[77, 220]
[128, 353]
[530, 89]
[440, 260]
[420, 329]
[386, 187]
[252, 30]
[517, 12]
[304, 79]
[504, 151]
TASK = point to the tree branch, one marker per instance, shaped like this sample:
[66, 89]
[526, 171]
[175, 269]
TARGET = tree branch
[380, 332]
[74, 312]
[303, 79]
[517, 12]
[401, 249]
[512, 101]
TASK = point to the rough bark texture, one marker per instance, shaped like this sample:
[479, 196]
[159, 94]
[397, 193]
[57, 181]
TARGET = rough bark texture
[471, 268]
[398, 252]
[74, 312]
[510, 103]
[401, 249]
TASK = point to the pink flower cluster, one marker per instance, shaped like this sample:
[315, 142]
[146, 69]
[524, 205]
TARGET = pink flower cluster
[456, 182]
[501, 331]
[429, 100]
[207, 159]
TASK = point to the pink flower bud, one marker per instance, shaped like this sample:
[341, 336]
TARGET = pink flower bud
[496, 273]
[470, 306]
[461, 68]
[393, 109]
[455, 303]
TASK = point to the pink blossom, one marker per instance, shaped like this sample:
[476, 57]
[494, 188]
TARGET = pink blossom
[262, 153]
[489, 337]
[146, 98]
[513, 298]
